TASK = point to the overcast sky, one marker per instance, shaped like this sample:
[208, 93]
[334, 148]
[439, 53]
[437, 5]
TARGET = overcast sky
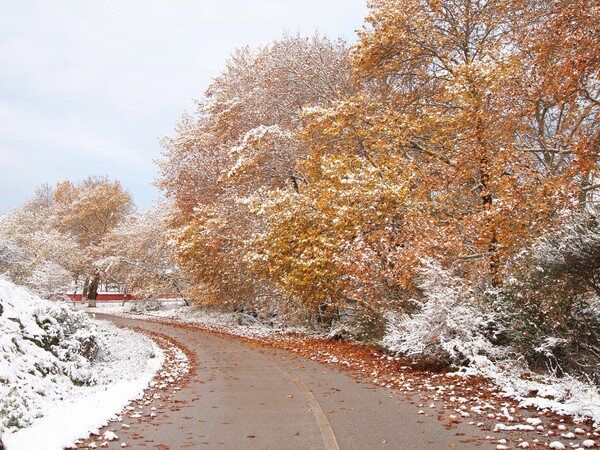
[87, 87]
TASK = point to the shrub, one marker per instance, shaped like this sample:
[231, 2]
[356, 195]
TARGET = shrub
[553, 300]
[150, 305]
[449, 327]
[555, 328]
[14, 410]
[69, 336]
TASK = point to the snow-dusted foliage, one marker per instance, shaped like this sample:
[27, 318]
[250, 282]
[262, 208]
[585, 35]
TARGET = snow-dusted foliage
[136, 255]
[59, 233]
[32, 253]
[44, 347]
[449, 328]
[553, 299]
[11, 256]
[50, 280]
[244, 140]
[9, 252]
[573, 251]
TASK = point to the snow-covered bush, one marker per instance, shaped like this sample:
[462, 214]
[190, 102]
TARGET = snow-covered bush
[448, 329]
[50, 280]
[143, 306]
[573, 251]
[554, 329]
[43, 347]
[553, 298]
[71, 337]
[14, 410]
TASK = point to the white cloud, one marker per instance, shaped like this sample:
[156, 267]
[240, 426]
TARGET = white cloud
[87, 83]
[7, 157]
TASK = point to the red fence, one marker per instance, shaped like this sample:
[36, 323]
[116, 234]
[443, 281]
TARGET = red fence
[103, 297]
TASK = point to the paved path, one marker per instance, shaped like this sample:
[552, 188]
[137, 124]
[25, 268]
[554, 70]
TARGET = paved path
[241, 397]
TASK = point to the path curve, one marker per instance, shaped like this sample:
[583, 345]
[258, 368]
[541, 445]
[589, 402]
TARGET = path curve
[243, 397]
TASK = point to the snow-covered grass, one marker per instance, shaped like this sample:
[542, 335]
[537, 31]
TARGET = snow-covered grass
[63, 375]
[238, 324]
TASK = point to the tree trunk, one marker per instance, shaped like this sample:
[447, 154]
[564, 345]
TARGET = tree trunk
[84, 293]
[487, 199]
[93, 291]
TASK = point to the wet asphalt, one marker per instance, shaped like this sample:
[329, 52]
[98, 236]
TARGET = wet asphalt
[241, 396]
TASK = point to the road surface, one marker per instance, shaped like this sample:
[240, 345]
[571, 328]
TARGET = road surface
[242, 397]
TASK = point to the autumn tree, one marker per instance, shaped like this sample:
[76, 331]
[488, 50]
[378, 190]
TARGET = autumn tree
[445, 72]
[553, 291]
[86, 212]
[41, 256]
[418, 163]
[454, 135]
[243, 139]
[442, 154]
[137, 257]
[563, 95]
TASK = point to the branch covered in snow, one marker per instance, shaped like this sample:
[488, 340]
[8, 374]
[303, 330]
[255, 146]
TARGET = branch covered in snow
[449, 327]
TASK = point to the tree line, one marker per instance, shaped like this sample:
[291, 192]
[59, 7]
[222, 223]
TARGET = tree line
[321, 182]
[86, 236]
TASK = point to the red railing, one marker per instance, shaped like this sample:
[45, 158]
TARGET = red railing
[102, 297]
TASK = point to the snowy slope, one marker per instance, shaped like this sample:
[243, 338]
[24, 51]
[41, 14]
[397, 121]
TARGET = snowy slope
[63, 375]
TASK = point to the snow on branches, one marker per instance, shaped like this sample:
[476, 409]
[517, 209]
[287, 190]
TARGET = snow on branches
[449, 327]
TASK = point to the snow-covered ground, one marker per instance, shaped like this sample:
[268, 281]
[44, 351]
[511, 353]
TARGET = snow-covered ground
[63, 375]
[237, 324]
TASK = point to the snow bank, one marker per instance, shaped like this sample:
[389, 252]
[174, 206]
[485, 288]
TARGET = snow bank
[62, 375]
[566, 395]
[45, 350]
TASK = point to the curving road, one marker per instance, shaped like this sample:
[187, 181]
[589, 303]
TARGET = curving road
[242, 397]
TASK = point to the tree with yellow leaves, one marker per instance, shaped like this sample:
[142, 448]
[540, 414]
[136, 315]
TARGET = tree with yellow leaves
[437, 156]
[244, 139]
[467, 130]
[87, 212]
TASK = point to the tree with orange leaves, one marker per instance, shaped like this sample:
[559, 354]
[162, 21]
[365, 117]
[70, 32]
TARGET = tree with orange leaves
[564, 94]
[87, 212]
[436, 156]
[243, 139]
[468, 130]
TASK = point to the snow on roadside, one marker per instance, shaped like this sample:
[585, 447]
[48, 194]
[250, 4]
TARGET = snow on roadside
[166, 382]
[566, 396]
[239, 324]
[124, 378]
[63, 375]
